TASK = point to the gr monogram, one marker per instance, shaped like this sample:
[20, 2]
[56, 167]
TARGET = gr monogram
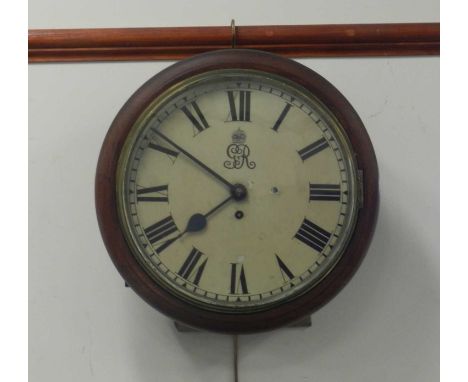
[238, 152]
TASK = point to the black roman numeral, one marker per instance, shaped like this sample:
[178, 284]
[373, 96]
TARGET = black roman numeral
[243, 112]
[190, 270]
[199, 121]
[161, 230]
[163, 149]
[160, 191]
[313, 149]
[285, 272]
[238, 281]
[312, 235]
[282, 116]
[324, 192]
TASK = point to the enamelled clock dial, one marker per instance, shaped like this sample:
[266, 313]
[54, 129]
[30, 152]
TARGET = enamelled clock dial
[237, 191]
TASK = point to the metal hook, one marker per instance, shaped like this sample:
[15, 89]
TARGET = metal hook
[233, 33]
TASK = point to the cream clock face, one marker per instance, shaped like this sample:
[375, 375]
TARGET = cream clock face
[237, 190]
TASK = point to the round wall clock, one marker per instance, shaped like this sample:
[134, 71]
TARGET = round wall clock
[237, 191]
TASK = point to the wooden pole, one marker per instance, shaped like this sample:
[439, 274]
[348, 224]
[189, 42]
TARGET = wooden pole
[147, 44]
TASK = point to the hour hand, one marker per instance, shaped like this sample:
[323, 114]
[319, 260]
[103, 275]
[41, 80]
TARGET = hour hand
[197, 222]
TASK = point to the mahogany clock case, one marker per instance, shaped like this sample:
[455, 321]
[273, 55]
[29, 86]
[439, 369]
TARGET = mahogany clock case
[194, 315]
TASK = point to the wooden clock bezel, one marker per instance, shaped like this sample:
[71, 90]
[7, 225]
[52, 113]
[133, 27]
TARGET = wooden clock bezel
[278, 315]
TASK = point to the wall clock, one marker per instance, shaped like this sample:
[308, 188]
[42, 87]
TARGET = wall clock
[237, 191]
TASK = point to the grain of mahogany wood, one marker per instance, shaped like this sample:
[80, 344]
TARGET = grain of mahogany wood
[138, 44]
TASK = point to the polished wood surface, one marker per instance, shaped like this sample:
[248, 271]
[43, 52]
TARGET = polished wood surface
[147, 44]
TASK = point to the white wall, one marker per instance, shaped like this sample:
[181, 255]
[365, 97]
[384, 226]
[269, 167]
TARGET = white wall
[84, 325]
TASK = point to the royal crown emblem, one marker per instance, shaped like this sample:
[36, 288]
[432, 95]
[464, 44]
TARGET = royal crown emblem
[239, 137]
[238, 152]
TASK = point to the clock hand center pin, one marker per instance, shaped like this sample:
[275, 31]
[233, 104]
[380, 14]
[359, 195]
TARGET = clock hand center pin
[239, 192]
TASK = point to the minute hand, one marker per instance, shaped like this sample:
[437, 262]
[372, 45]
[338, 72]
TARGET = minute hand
[201, 164]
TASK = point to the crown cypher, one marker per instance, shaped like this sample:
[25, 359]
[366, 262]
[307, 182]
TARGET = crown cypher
[239, 136]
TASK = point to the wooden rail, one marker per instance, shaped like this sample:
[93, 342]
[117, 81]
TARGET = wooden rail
[146, 44]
